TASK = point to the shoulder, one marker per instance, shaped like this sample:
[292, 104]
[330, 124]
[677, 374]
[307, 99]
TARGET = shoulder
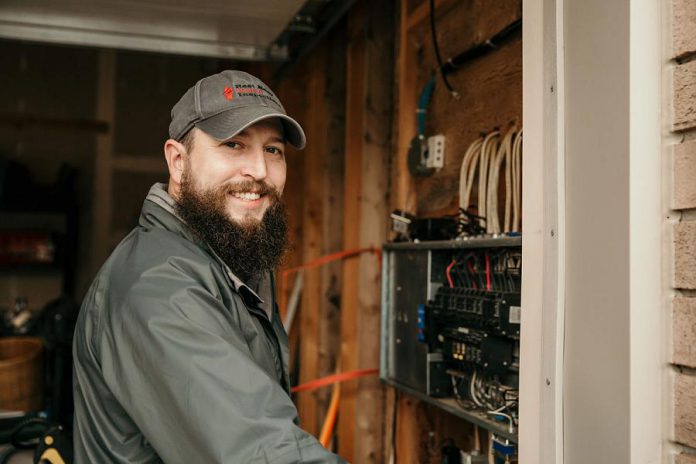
[151, 271]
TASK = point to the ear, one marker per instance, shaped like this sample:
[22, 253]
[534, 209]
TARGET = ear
[175, 153]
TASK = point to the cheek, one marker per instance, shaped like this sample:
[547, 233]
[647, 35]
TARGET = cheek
[277, 173]
[213, 172]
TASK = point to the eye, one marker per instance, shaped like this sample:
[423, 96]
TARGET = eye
[233, 144]
[274, 150]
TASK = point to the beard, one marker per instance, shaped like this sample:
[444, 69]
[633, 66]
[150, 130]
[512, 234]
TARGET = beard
[248, 246]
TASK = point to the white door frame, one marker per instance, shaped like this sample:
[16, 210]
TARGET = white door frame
[566, 415]
[543, 241]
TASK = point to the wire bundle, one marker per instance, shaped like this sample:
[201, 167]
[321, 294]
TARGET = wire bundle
[487, 394]
[483, 162]
[490, 270]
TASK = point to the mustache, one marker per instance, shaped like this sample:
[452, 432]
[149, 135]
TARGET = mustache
[259, 187]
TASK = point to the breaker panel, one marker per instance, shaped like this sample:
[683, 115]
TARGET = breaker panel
[451, 319]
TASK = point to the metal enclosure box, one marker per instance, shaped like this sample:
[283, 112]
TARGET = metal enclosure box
[407, 281]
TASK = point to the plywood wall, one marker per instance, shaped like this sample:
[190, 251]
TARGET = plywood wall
[388, 58]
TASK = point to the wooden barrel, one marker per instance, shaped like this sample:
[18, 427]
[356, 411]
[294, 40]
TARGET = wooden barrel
[21, 373]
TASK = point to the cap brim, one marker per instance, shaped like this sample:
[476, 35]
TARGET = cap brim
[227, 124]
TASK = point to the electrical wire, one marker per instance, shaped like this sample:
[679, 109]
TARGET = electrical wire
[448, 272]
[436, 47]
[489, 147]
[508, 189]
[457, 396]
[483, 161]
[472, 271]
[464, 186]
[322, 260]
[511, 427]
[472, 391]
[331, 415]
[423, 102]
[482, 48]
[471, 172]
[517, 182]
[488, 272]
[493, 223]
[504, 151]
[294, 301]
[331, 379]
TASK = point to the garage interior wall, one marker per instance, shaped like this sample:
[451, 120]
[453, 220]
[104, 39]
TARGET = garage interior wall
[106, 112]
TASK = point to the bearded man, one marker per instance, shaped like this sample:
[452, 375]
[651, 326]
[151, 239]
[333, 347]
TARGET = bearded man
[180, 354]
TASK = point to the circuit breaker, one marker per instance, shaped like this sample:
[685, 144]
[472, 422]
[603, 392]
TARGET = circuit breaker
[451, 320]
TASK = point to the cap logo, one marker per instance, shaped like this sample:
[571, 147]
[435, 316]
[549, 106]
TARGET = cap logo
[246, 90]
[229, 93]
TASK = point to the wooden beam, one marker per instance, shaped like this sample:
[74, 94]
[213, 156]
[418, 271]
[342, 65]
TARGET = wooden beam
[374, 211]
[355, 91]
[332, 227]
[411, 433]
[311, 309]
[404, 192]
[368, 151]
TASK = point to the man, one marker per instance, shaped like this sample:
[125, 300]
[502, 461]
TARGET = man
[180, 355]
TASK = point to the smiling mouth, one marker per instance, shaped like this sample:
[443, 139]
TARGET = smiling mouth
[248, 196]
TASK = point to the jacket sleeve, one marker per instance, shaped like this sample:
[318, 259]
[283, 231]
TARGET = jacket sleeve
[176, 359]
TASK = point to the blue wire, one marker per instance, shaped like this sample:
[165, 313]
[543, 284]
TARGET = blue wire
[423, 103]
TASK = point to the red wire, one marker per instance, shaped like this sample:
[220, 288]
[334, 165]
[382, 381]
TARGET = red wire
[488, 272]
[449, 269]
[331, 379]
[473, 273]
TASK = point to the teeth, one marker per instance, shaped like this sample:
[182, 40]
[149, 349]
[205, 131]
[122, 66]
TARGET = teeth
[247, 196]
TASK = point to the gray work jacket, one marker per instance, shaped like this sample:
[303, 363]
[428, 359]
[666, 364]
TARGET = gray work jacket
[177, 361]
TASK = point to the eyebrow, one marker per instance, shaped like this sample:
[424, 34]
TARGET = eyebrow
[278, 139]
[272, 139]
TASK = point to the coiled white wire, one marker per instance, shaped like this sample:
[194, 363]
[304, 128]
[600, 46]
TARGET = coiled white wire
[486, 156]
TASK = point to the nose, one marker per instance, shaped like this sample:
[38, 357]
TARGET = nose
[255, 165]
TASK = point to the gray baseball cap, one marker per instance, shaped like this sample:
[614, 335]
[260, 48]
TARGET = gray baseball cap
[224, 104]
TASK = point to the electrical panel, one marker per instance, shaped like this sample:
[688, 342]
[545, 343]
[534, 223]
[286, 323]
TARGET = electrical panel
[451, 319]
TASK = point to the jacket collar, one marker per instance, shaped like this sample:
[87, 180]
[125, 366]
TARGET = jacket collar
[152, 215]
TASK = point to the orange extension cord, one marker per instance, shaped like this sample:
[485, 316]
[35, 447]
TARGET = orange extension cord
[335, 379]
[286, 273]
[331, 414]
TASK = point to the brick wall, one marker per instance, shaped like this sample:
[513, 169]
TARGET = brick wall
[684, 201]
